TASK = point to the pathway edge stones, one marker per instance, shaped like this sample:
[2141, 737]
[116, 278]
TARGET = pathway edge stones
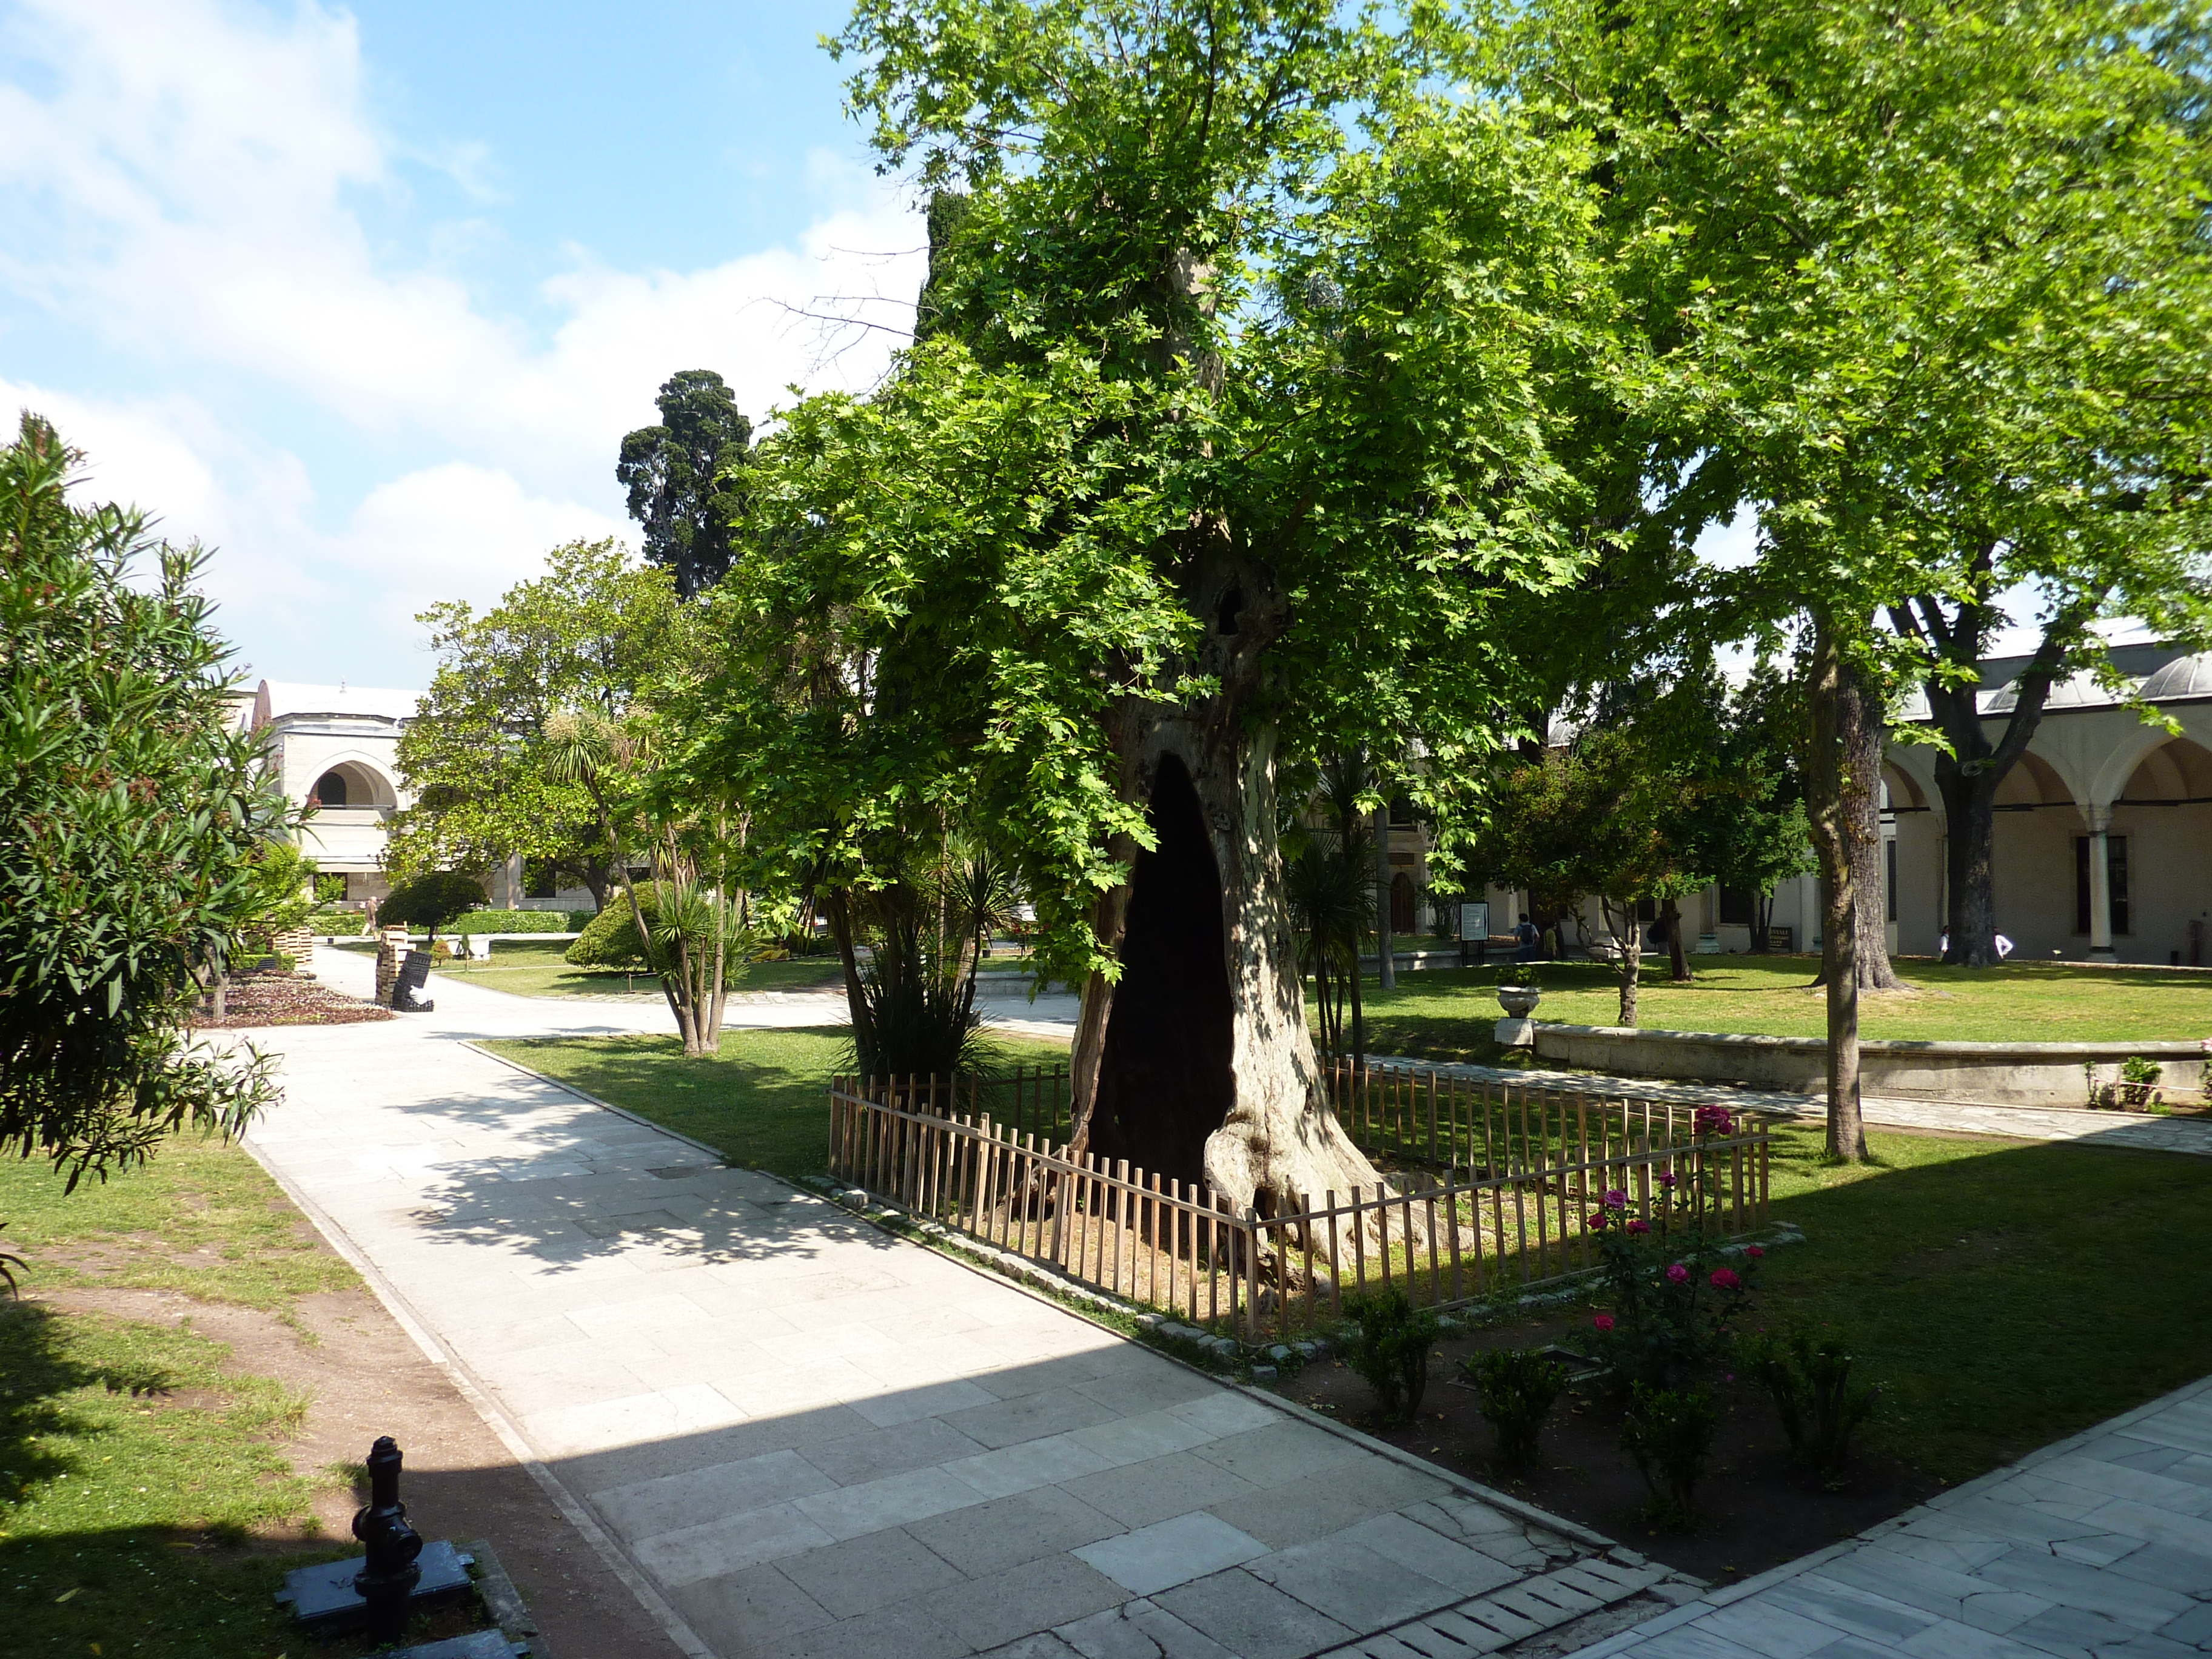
[572, 1508]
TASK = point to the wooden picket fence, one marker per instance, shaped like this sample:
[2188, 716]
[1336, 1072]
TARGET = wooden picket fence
[1401, 1115]
[1507, 1224]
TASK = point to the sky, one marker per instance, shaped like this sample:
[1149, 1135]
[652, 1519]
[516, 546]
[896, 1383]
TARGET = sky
[363, 299]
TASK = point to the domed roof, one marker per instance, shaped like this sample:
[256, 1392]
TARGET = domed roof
[2184, 677]
[2075, 692]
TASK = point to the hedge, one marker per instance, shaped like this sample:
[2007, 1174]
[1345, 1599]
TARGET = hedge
[520, 922]
[346, 922]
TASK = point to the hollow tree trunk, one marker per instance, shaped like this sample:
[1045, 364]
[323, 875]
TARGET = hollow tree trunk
[1832, 687]
[1204, 1069]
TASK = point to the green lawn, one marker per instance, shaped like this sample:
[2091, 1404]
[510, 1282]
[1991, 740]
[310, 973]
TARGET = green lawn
[1447, 1013]
[763, 1102]
[133, 1468]
[2007, 1294]
[539, 970]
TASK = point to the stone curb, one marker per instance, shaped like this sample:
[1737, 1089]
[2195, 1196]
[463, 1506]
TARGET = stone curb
[572, 1508]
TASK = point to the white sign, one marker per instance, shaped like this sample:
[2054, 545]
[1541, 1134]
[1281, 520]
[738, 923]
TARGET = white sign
[1474, 921]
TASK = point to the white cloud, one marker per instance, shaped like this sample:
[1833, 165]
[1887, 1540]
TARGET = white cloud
[305, 602]
[183, 181]
[192, 167]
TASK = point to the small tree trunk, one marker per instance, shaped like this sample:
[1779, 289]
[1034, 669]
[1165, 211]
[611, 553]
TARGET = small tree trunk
[1829, 691]
[1678, 959]
[1628, 936]
[1385, 953]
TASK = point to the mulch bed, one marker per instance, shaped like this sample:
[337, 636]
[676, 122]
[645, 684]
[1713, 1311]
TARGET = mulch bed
[1756, 1510]
[273, 998]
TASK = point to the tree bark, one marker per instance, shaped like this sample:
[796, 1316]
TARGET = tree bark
[1386, 957]
[1832, 689]
[1678, 958]
[1858, 732]
[1628, 964]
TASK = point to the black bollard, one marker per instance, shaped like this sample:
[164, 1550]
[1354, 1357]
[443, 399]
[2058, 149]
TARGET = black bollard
[388, 1577]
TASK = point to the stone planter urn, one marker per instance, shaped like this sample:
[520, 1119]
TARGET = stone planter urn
[1516, 1030]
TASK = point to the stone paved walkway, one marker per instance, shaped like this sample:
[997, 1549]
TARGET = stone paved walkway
[2165, 1135]
[796, 1435]
[2098, 1547]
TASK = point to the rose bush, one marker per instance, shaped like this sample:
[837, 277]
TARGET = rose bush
[1673, 1289]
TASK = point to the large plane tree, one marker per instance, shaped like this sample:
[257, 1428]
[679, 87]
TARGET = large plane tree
[1228, 446]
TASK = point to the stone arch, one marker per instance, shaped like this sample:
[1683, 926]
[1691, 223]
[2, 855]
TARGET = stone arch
[2178, 771]
[2035, 782]
[365, 783]
[2118, 766]
[1903, 791]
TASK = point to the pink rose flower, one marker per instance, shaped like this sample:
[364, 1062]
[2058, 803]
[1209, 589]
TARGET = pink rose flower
[1616, 1200]
[1753, 1251]
[1678, 1275]
[1603, 1322]
[1596, 1220]
[1667, 1178]
[1725, 1280]
[1639, 1225]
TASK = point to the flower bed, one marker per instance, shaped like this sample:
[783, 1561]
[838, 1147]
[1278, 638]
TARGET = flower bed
[278, 999]
[1756, 1509]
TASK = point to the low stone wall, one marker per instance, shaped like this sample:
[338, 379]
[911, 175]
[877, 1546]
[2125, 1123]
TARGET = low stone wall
[2002, 1073]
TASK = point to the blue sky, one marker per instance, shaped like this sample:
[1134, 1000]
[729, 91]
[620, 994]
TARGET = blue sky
[366, 297]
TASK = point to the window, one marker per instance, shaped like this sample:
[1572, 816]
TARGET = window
[330, 790]
[2116, 879]
[2116, 882]
[1889, 876]
[1739, 907]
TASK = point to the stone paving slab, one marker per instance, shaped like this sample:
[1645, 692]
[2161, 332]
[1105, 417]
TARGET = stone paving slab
[802, 1436]
[2098, 1547]
[2165, 1135]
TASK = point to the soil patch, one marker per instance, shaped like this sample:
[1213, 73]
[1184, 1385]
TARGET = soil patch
[1757, 1510]
[361, 1375]
[294, 998]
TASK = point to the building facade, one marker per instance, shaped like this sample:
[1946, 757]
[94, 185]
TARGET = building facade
[2103, 847]
[335, 748]
[2103, 844]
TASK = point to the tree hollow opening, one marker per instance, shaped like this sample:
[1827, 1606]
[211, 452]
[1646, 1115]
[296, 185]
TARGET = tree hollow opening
[1165, 1080]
